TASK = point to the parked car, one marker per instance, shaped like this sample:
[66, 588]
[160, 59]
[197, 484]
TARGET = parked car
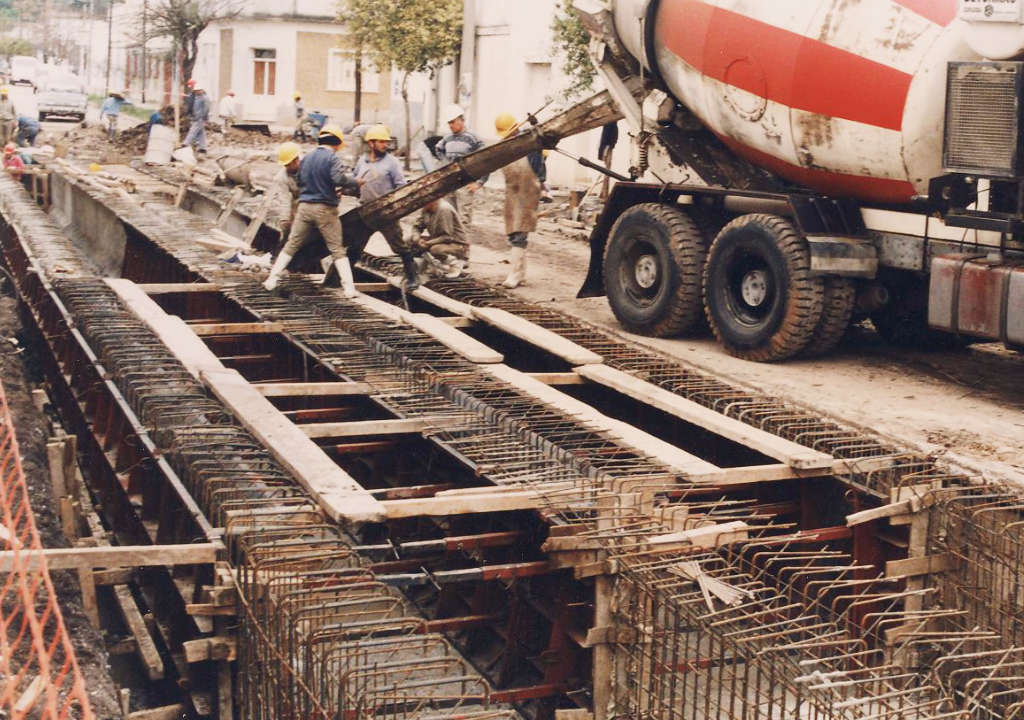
[63, 98]
[24, 70]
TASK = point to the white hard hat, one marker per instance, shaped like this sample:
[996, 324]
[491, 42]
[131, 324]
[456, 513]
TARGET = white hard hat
[453, 111]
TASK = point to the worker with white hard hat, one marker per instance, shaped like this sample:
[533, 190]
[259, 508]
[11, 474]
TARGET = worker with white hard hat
[227, 110]
[321, 177]
[453, 147]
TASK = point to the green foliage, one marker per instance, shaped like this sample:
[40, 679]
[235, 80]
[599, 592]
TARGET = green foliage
[411, 35]
[571, 40]
[10, 46]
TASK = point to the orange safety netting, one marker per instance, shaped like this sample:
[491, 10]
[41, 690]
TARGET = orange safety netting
[39, 675]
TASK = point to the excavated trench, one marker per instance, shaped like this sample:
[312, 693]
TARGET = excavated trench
[580, 545]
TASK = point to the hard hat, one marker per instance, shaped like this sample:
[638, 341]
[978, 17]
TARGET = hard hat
[332, 130]
[197, 88]
[505, 123]
[452, 112]
[378, 132]
[191, 83]
[94, 167]
[5, 90]
[9, 149]
[296, 96]
[287, 152]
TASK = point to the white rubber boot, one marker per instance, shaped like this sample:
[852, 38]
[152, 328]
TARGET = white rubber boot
[517, 276]
[275, 272]
[348, 284]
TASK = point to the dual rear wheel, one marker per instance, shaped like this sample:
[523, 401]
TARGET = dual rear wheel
[666, 269]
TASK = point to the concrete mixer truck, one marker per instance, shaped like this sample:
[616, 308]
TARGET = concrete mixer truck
[801, 164]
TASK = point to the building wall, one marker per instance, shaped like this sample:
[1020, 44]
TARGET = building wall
[227, 46]
[311, 80]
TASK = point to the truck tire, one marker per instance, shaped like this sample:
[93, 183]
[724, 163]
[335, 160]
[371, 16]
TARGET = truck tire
[652, 270]
[836, 313]
[761, 301]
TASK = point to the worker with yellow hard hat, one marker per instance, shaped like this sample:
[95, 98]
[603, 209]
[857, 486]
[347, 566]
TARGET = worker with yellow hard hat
[8, 116]
[522, 198]
[378, 173]
[284, 191]
[321, 176]
[300, 112]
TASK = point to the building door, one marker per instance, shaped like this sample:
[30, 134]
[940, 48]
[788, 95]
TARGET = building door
[264, 71]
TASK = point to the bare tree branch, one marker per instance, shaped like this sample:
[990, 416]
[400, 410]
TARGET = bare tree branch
[182, 21]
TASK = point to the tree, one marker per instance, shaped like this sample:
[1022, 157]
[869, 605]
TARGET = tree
[10, 46]
[183, 21]
[572, 41]
[409, 35]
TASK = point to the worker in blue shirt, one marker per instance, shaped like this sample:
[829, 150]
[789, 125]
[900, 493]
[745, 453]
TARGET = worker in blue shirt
[111, 110]
[28, 128]
[200, 114]
[321, 177]
[453, 147]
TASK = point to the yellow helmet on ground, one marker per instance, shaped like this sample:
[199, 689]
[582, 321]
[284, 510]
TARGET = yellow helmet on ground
[378, 132]
[505, 124]
[332, 130]
[287, 152]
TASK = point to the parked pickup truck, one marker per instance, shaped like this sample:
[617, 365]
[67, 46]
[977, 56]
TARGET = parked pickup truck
[64, 99]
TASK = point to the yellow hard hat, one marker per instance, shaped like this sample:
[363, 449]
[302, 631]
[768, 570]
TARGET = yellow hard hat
[505, 123]
[334, 130]
[287, 152]
[5, 90]
[296, 96]
[378, 132]
[94, 167]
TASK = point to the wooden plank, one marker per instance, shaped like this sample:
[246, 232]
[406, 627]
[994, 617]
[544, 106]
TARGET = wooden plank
[567, 378]
[334, 489]
[359, 428]
[29, 697]
[240, 328]
[218, 647]
[209, 609]
[885, 511]
[256, 221]
[108, 556]
[631, 436]
[145, 648]
[313, 389]
[368, 287]
[462, 505]
[458, 322]
[473, 350]
[924, 565]
[534, 334]
[171, 288]
[773, 446]
[88, 589]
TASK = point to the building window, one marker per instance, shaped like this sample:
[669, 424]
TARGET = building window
[341, 73]
[264, 71]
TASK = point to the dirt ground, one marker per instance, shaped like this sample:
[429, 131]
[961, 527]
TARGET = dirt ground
[20, 375]
[965, 406]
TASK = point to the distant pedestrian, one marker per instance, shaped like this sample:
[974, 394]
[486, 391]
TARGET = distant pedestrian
[522, 195]
[12, 161]
[228, 109]
[8, 116]
[378, 173]
[111, 111]
[200, 114]
[454, 146]
[190, 97]
[357, 136]
[300, 113]
[28, 129]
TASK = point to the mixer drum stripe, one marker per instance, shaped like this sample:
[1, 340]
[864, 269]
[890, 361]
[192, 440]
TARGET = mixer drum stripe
[940, 12]
[783, 66]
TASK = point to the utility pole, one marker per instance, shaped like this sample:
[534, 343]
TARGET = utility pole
[467, 60]
[145, 64]
[110, 44]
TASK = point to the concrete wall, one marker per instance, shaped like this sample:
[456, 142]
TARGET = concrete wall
[311, 79]
[97, 231]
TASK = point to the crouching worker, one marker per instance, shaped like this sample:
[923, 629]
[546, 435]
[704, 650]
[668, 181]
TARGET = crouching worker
[378, 173]
[321, 176]
[441, 238]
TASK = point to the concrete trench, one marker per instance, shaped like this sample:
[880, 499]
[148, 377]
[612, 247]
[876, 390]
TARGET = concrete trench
[583, 600]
